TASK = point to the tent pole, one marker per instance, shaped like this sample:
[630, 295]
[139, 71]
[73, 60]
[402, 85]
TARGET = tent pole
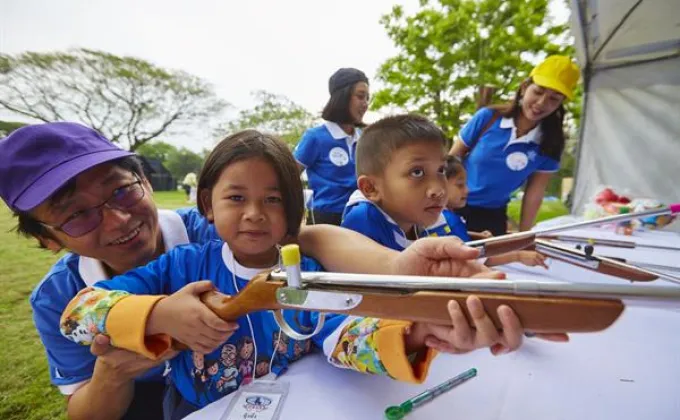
[576, 6]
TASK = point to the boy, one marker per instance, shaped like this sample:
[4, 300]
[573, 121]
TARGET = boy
[403, 188]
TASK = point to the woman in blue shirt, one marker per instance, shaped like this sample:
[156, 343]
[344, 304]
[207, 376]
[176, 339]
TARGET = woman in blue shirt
[326, 152]
[521, 142]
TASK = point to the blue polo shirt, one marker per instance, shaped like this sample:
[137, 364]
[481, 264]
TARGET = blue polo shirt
[364, 216]
[499, 162]
[71, 364]
[328, 153]
[457, 225]
[226, 368]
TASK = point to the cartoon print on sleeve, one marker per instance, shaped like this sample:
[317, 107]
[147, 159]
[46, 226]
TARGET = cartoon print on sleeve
[357, 348]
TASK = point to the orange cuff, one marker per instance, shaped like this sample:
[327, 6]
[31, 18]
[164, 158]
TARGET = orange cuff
[390, 340]
[126, 325]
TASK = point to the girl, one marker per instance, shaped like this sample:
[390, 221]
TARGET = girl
[250, 189]
[327, 153]
[508, 145]
[458, 192]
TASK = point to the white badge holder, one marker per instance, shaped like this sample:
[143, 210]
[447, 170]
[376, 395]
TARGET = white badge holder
[260, 400]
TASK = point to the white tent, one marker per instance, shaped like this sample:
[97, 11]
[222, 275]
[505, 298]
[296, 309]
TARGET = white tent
[629, 51]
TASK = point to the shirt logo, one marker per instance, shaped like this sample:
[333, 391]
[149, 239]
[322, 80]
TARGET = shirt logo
[517, 161]
[338, 156]
[532, 155]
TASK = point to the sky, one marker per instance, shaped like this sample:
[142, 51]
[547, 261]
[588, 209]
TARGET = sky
[288, 47]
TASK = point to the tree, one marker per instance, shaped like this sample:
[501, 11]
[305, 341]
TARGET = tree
[450, 47]
[178, 161]
[7, 127]
[275, 114]
[182, 161]
[129, 100]
[157, 150]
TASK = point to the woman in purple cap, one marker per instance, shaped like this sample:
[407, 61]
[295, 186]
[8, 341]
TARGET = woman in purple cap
[72, 189]
[326, 152]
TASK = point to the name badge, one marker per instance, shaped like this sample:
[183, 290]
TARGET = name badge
[260, 400]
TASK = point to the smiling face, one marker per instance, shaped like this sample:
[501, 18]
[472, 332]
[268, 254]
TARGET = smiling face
[412, 189]
[539, 102]
[124, 239]
[246, 206]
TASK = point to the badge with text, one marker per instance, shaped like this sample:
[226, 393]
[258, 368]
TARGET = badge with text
[260, 400]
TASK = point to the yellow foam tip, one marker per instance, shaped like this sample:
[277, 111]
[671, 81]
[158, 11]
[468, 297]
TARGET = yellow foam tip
[290, 254]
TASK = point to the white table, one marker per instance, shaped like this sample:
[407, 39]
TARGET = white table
[630, 371]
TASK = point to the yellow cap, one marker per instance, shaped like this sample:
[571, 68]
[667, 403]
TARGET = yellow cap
[557, 72]
[290, 254]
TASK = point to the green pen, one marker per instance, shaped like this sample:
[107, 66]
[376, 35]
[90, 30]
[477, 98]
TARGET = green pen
[398, 412]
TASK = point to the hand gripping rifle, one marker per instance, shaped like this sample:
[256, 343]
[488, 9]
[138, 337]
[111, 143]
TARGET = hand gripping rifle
[542, 307]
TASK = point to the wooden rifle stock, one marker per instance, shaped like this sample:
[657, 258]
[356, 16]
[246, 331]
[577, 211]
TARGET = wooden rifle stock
[503, 244]
[538, 314]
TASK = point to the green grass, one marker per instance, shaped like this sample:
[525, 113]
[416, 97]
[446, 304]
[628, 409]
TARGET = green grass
[548, 210]
[25, 389]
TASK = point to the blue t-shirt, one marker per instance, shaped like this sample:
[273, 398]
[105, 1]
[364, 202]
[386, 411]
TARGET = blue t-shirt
[457, 225]
[499, 163]
[365, 217]
[328, 153]
[204, 379]
[70, 363]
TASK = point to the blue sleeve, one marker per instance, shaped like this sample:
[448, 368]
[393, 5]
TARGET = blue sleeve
[457, 225]
[68, 362]
[475, 125]
[310, 264]
[306, 151]
[169, 273]
[367, 220]
[549, 165]
[199, 229]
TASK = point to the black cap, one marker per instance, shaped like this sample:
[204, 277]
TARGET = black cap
[345, 77]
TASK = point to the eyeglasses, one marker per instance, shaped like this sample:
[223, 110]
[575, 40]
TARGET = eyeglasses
[86, 221]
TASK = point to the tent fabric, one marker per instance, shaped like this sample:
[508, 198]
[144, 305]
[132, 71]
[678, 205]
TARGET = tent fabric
[630, 127]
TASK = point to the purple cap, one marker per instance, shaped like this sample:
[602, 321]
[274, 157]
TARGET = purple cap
[37, 160]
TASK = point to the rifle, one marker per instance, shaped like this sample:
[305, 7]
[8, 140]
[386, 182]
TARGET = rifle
[521, 240]
[610, 266]
[608, 242]
[542, 307]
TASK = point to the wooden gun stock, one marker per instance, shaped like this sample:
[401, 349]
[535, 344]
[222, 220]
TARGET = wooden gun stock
[503, 244]
[537, 314]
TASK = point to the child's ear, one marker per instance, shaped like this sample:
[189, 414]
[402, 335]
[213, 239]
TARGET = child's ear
[368, 186]
[206, 203]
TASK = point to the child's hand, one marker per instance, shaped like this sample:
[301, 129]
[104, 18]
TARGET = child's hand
[184, 317]
[486, 234]
[532, 258]
[461, 338]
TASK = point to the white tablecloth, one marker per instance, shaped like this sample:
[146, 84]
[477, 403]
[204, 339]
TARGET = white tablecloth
[630, 371]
